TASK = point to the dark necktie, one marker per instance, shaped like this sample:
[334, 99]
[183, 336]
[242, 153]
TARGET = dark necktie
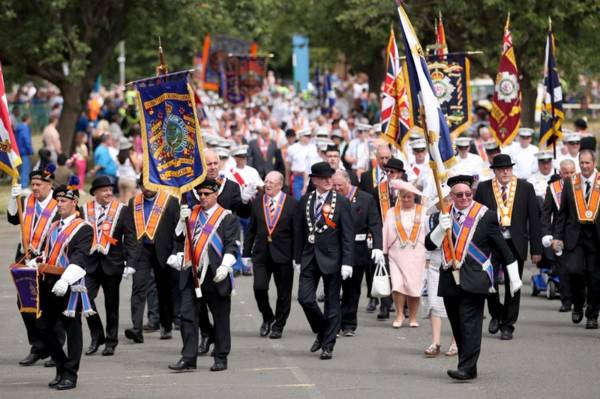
[272, 206]
[200, 225]
[318, 207]
[458, 217]
[504, 195]
[588, 190]
[100, 220]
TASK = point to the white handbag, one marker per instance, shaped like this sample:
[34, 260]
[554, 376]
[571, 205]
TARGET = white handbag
[381, 283]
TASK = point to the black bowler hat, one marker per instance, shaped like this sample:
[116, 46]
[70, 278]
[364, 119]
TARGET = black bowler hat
[396, 164]
[501, 161]
[460, 179]
[99, 182]
[210, 184]
[321, 169]
[332, 147]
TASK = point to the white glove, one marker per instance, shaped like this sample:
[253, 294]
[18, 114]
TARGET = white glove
[127, 272]
[32, 263]
[248, 192]
[16, 191]
[514, 278]
[60, 287]
[185, 212]
[346, 272]
[222, 273]
[377, 256]
[247, 262]
[547, 241]
[438, 234]
[296, 267]
[175, 261]
[73, 274]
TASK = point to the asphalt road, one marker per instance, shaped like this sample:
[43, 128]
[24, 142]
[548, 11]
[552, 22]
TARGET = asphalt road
[549, 358]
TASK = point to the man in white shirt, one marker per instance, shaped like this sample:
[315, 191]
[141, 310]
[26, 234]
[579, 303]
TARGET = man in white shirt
[419, 172]
[300, 157]
[358, 153]
[540, 179]
[572, 144]
[523, 153]
[468, 164]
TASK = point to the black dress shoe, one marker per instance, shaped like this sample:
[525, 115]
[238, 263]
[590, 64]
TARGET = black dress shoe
[182, 365]
[384, 313]
[565, 307]
[30, 359]
[265, 328]
[138, 338]
[165, 334]
[494, 326]
[55, 381]
[50, 363]
[204, 346]
[506, 335]
[219, 365]
[65, 383]
[149, 327]
[326, 354]
[275, 334]
[591, 324]
[577, 316]
[316, 345]
[94, 345]
[461, 375]
[108, 351]
[372, 305]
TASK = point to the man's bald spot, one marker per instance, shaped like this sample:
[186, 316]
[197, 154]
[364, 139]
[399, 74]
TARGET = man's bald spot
[343, 174]
[210, 155]
[383, 149]
[275, 176]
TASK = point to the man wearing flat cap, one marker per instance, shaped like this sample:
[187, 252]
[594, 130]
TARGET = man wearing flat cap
[466, 274]
[518, 212]
[205, 268]
[107, 261]
[62, 292]
[323, 245]
[39, 211]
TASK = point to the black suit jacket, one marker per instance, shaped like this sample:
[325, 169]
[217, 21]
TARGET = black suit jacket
[473, 278]
[333, 247]
[274, 160]
[525, 222]
[230, 199]
[112, 263]
[549, 216]
[256, 243]
[229, 231]
[568, 227]
[165, 241]
[366, 220]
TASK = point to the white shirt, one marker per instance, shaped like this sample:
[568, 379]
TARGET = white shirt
[524, 159]
[359, 150]
[302, 157]
[46, 200]
[248, 174]
[591, 180]
[472, 165]
[540, 183]
[274, 198]
[319, 198]
[66, 221]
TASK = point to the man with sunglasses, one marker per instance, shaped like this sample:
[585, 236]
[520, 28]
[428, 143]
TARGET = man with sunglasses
[208, 256]
[466, 275]
[518, 213]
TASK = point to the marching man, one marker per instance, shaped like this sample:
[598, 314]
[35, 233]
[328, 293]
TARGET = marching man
[62, 291]
[205, 271]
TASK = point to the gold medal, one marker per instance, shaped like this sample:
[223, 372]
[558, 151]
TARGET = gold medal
[311, 238]
[106, 227]
[505, 221]
[269, 239]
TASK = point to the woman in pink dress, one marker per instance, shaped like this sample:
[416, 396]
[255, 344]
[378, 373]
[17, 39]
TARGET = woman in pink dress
[404, 243]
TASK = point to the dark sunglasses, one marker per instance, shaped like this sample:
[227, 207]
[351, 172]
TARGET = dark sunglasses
[465, 194]
[204, 193]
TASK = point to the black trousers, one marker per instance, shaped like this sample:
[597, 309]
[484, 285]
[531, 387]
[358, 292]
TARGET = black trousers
[506, 313]
[67, 364]
[110, 287]
[164, 286]
[465, 313]
[325, 324]
[584, 277]
[283, 274]
[35, 338]
[560, 268]
[369, 273]
[350, 298]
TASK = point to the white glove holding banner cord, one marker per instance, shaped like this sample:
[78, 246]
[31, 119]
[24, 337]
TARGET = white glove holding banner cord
[175, 261]
[248, 192]
[15, 192]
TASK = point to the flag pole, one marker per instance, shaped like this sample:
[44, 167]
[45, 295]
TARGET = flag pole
[438, 187]
[24, 248]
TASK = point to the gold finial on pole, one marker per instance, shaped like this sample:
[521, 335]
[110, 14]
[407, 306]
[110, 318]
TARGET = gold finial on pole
[162, 68]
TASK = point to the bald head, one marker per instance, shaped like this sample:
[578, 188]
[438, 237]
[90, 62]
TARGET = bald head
[383, 154]
[212, 164]
[341, 182]
[273, 183]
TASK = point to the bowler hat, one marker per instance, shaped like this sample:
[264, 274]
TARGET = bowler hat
[501, 161]
[396, 164]
[321, 169]
[101, 181]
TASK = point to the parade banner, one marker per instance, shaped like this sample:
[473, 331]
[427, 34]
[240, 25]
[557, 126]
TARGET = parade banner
[396, 117]
[422, 97]
[26, 283]
[215, 52]
[505, 117]
[451, 77]
[243, 77]
[552, 110]
[171, 139]
[9, 152]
